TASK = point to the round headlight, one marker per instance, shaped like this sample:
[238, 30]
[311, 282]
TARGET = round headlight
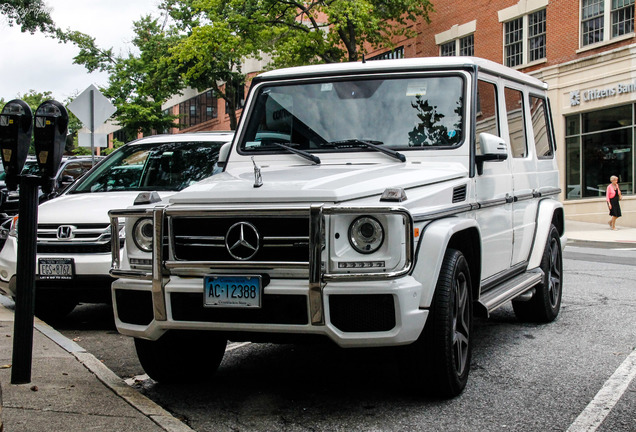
[142, 234]
[366, 234]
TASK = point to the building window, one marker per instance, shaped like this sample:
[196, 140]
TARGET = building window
[536, 35]
[447, 49]
[592, 24]
[397, 53]
[198, 109]
[465, 46]
[594, 20]
[514, 42]
[524, 27]
[599, 144]
[622, 17]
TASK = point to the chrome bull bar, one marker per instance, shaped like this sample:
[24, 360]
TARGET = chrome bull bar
[317, 276]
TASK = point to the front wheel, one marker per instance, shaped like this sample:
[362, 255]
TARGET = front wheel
[440, 359]
[179, 355]
[545, 305]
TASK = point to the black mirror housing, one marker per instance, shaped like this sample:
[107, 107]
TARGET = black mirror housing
[16, 127]
[50, 127]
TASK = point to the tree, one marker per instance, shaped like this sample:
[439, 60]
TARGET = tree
[30, 15]
[203, 44]
[138, 84]
[293, 32]
[330, 31]
[223, 34]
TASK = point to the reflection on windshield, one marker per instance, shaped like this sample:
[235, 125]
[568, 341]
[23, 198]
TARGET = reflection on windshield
[402, 113]
[142, 167]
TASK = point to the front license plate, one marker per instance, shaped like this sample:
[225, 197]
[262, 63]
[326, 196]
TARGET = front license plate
[232, 291]
[56, 268]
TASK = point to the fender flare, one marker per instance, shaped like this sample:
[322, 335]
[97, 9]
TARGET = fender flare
[545, 216]
[433, 242]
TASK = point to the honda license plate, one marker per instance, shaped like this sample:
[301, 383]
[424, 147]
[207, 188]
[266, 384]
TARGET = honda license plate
[232, 291]
[56, 268]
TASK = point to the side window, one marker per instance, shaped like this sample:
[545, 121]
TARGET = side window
[542, 136]
[486, 119]
[516, 129]
[72, 169]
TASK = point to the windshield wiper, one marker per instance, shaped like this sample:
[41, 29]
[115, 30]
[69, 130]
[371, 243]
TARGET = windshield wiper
[362, 143]
[303, 153]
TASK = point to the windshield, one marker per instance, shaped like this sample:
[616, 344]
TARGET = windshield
[402, 113]
[153, 166]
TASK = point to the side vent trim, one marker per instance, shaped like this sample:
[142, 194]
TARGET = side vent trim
[459, 194]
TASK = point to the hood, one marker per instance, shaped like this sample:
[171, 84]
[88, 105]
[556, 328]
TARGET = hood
[315, 183]
[86, 207]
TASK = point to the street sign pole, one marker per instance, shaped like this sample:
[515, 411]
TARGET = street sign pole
[92, 126]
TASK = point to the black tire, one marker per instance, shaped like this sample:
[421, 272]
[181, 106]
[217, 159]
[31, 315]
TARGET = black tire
[180, 355]
[439, 361]
[545, 304]
[53, 307]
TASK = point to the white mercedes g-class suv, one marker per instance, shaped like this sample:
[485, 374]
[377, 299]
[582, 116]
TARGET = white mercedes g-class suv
[376, 204]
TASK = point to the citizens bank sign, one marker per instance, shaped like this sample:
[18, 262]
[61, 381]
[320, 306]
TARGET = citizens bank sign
[576, 96]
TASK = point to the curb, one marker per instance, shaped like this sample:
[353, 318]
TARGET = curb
[117, 385]
[602, 244]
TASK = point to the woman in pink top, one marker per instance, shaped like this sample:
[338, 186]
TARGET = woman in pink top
[613, 195]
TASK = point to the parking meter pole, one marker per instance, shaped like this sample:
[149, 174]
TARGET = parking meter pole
[25, 280]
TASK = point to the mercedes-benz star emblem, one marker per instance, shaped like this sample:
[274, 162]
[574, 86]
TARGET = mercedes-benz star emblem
[242, 241]
[65, 232]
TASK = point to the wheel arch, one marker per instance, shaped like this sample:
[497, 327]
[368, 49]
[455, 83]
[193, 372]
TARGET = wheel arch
[550, 213]
[461, 234]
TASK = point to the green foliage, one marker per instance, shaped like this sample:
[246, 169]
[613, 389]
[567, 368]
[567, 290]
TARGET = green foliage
[203, 44]
[29, 15]
[140, 81]
[330, 31]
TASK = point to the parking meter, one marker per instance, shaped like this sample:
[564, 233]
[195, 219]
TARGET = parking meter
[16, 126]
[51, 122]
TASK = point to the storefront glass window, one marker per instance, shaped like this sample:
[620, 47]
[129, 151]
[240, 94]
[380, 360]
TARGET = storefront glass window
[573, 162]
[603, 148]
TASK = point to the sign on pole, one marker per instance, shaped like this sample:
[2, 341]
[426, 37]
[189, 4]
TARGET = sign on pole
[92, 108]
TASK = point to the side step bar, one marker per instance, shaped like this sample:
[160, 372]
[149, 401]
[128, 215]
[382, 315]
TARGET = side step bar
[496, 297]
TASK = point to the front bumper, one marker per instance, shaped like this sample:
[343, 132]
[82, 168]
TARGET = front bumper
[91, 271]
[368, 314]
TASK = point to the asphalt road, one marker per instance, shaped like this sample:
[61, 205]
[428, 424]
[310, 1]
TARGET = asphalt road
[572, 373]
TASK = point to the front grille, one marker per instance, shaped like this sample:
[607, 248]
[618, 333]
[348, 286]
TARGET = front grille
[68, 248]
[275, 309]
[80, 239]
[282, 238]
[362, 313]
[80, 232]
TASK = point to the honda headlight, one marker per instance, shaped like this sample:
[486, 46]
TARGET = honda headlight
[142, 234]
[366, 234]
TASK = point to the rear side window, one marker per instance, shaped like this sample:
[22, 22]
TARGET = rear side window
[542, 136]
[516, 128]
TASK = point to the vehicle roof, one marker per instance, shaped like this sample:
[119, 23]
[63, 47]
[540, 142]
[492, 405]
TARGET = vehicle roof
[213, 136]
[410, 64]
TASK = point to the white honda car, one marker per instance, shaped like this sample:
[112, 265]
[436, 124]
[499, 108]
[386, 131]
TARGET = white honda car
[73, 235]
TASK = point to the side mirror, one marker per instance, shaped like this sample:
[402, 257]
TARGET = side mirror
[16, 127]
[51, 122]
[224, 153]
[493, 148]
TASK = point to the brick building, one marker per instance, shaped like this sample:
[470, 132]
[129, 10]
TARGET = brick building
[584, 49]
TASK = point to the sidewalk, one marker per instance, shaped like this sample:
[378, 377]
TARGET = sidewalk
[590, 234]
[70, 389]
